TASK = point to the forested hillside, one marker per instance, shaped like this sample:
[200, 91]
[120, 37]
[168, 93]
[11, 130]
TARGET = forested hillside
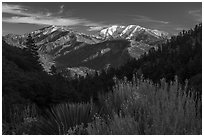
[181, 56]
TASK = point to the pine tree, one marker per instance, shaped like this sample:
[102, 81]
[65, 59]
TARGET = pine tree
[32, 48]
[53, 70]
[32, 51]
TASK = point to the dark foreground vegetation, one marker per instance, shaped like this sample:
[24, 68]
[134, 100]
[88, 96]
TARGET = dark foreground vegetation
[160, 93]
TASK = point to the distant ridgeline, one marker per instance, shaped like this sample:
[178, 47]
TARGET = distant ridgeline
[72, 52]
[25, 81]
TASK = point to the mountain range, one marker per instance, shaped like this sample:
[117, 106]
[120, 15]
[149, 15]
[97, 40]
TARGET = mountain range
[77, 52]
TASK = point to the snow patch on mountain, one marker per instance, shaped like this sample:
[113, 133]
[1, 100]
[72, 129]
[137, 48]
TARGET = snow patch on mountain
[110, 31]
[91, 57]
[104, 51]
[129, 31]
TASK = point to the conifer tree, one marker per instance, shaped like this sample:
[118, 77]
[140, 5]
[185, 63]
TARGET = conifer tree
[53, 70]
[32, 50]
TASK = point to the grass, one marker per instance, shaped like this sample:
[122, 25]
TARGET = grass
[115, 126]
[136, 107]
[166, 110]
[19, 119]
[63, 117]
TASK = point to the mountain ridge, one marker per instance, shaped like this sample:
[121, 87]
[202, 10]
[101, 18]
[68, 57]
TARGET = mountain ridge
[66, 48]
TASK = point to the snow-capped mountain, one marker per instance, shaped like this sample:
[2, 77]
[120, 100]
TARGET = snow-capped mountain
[54, 35]
[51, 37]
[66, 48]
[130, 32]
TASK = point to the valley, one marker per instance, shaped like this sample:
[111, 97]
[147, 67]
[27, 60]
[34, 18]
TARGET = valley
[113, 46]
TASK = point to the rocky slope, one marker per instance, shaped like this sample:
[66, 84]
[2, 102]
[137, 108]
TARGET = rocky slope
[65, 48]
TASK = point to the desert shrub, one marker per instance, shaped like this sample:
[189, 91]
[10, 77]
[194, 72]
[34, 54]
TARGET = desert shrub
[77, 130]
[116, 126]
[62, 118]
[167, 108]
[21, 119]
[136, 107]
[112, 102]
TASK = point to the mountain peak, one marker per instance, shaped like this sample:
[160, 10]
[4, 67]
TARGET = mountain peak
[127, 32]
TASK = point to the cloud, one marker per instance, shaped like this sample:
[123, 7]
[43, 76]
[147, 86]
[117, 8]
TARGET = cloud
[61, 9]
[96, 28]
[48, 14]
[181, 28]
[45, 21]
[140, 18]
[16, 10]
[22, 15]
[197, 14]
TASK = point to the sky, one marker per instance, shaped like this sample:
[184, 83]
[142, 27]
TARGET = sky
[91, 17]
